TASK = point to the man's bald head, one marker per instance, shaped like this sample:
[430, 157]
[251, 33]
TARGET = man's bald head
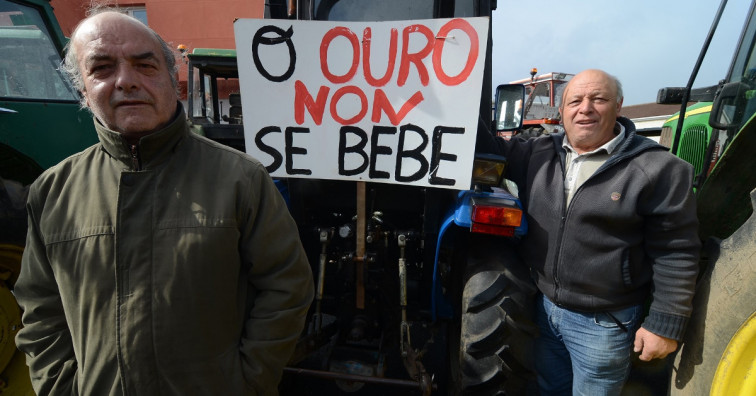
[70, 64]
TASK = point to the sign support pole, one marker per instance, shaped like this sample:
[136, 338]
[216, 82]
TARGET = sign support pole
[360, 253]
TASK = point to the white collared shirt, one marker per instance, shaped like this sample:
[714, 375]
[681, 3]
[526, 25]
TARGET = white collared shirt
[581, 166]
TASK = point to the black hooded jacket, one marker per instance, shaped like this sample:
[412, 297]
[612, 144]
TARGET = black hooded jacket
[630, 231]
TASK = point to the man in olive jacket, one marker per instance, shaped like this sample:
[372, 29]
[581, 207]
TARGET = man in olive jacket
[157, 261]
[611, 226]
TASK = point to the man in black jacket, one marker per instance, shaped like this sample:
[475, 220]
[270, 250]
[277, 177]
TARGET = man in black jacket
[612, 226]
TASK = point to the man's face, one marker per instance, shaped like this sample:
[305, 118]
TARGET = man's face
[127, 84]
[589, 110]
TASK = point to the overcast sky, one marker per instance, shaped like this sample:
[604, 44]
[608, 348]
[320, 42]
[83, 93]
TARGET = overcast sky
[647, 44]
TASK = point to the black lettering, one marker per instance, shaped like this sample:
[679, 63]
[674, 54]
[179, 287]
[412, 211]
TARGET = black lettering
[437, 156]
[376, 150]
[277, 157]
[358, 148]
[291, 149]
[416, 154]
[283, 37]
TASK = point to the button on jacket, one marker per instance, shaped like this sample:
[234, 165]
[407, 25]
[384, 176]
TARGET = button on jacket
[169, 268]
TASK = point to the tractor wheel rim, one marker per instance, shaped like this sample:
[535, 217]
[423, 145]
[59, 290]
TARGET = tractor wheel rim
[736, 372]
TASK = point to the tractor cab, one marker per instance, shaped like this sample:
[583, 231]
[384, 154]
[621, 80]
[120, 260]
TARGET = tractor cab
[543, 92]
[214, 101]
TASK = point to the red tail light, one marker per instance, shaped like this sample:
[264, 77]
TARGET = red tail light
[492, 230]
[495, 219]
[497, 215]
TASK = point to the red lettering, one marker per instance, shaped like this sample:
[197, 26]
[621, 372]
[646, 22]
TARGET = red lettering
[349, 89]
[472, 56]
[381, 102]
[411, 56]
[366, 44]
[416, 58]
[302, 99]
[327, 38]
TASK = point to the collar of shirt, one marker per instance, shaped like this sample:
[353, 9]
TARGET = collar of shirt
[609, 147]
[579, 167]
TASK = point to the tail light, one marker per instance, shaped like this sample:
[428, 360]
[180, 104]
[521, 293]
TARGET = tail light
[495, 216]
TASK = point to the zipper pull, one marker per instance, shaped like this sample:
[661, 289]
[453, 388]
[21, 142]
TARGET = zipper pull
[135, 157]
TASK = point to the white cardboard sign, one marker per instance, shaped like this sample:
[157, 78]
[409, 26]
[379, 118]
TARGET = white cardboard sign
[390, 102]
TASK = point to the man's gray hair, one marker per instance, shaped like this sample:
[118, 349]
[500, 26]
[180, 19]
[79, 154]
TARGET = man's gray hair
[70, 64]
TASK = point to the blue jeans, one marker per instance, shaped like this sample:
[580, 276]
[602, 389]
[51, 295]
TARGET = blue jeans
[580, 353]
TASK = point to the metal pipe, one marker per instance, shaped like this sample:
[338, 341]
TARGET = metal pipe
[404, 331]
[360, 245]
[324, 239]
[354, 377]
[696, 67]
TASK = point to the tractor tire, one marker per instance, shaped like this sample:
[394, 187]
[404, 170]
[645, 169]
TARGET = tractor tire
[12, 228]
[14, 374]
[718, 353]
[495, 331]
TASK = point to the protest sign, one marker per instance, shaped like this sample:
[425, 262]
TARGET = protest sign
[390, 102]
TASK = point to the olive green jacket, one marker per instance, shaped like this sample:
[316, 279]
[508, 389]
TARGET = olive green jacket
[173, 268]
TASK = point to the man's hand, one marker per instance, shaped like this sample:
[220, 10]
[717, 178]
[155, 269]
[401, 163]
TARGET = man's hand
[652, 346]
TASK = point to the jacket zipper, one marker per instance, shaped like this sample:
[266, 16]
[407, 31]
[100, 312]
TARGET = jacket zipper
[560, 235]
[123, 288]
[563, 222]
[135, 157]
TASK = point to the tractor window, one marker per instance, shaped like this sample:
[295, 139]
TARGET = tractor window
[464, 9]
[202, 95]
[538, 102]
[29, 62]
[744, 71]
[371, 10]
[558, 91]
[215, 93]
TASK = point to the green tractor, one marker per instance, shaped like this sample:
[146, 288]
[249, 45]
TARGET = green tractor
[718, 136]
[41, 123]
[696, 134]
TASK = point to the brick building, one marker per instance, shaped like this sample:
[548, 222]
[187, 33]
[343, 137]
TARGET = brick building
[193, 23]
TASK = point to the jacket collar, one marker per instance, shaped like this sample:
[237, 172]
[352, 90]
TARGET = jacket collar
[152, 149]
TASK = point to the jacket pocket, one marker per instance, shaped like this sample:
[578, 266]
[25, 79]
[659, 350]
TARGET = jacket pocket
[69, 235]
[221, 375]
[627, 277]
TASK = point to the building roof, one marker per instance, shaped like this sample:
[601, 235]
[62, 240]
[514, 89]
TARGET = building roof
[649, 110]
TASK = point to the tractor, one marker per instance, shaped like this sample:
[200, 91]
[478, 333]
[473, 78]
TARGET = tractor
[718, 136]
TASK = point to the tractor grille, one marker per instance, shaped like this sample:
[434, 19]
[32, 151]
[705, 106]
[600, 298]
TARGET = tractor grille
[693, 145]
